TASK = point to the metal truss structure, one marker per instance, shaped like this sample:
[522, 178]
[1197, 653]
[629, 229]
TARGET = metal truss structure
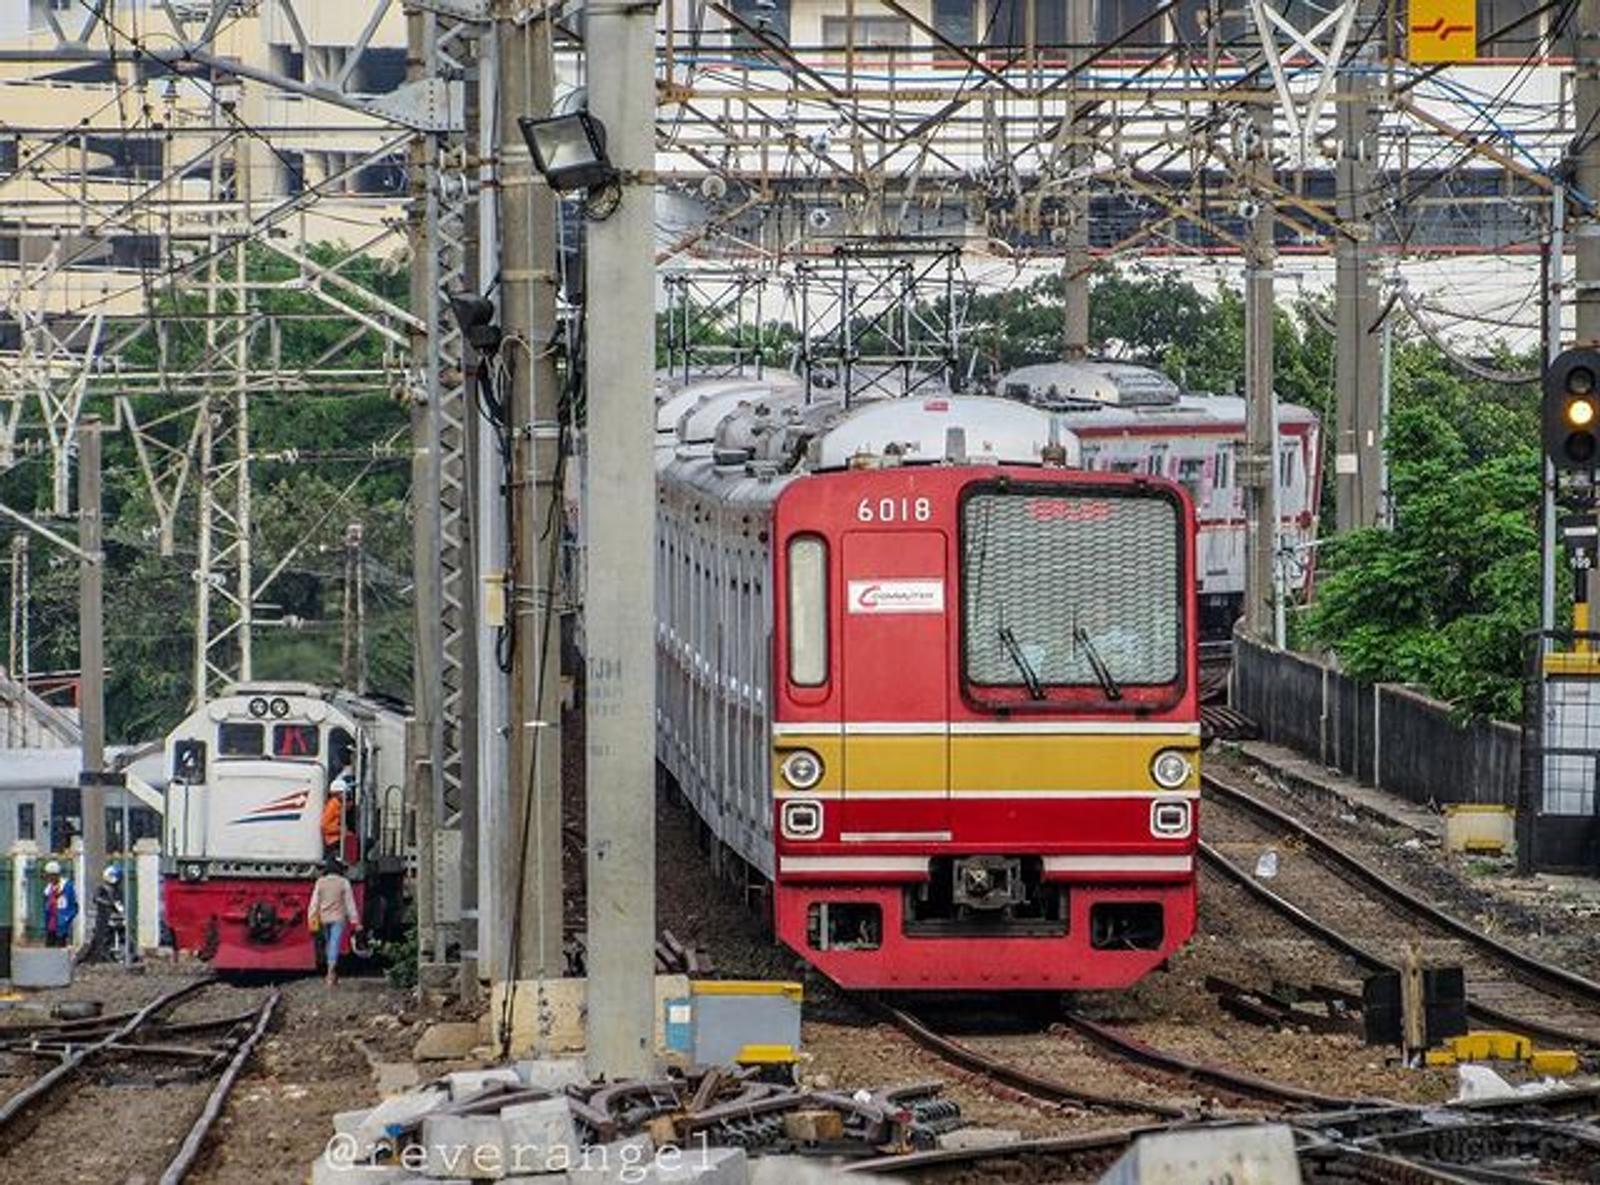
[881, 320]
[714, 322]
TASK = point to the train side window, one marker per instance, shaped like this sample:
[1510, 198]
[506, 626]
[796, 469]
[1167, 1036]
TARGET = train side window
[808, 611]
[27, 825]
[295, 740]
[238, 739]
[189, 761]
[1191, 475]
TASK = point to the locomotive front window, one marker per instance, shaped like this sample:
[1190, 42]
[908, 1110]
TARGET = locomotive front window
[241, 740]
[1071, 590]
[294, 740]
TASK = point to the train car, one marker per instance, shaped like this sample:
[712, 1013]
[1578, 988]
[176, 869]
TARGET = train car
[1132, 419]
[248, 777]
[931, 687]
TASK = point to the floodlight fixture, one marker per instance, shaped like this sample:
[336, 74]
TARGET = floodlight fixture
[569, 150]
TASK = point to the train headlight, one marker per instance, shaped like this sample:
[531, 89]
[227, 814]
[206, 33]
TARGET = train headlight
[191, 872]
[1170, 769]
[802, 769]
[802, 819]
[258, 706]
[280, 707]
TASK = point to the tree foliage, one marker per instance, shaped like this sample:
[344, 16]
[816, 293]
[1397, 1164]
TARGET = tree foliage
[1443, 600]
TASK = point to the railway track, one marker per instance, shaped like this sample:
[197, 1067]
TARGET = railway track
[140, 1049]
[1236, 1084]
[1508, 988]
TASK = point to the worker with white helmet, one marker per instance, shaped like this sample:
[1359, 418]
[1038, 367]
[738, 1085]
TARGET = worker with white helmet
[60, 905]
[110, 925]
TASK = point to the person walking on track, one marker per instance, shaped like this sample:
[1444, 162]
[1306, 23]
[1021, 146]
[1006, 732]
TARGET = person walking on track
[332, 912]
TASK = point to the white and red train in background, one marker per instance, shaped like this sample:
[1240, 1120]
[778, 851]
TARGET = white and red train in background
[248, 776]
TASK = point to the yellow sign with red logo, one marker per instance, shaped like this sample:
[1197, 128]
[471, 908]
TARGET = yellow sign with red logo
[1443, 31]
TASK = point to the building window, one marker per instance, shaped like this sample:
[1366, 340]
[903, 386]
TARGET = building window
[953, 18]
[869, 31]
[27, 825]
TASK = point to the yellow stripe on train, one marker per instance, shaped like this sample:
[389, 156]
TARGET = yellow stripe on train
[1004, 763]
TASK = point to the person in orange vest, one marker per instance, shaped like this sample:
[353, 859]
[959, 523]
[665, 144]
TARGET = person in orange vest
[333, 815]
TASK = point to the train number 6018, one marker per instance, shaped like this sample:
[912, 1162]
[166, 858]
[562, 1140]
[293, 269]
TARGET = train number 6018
[894, 510]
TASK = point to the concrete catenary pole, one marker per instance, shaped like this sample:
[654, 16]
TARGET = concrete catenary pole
[1075, 264]
[91, 660]
[1582, 216]
[620, 519]
[427, 664]
[1358, 455]
[1259, 460]
[489, 547]
[528, 319]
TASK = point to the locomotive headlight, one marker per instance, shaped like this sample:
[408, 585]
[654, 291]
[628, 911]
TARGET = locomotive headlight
[1170, 769]
[191, 872]
[802, 769]
[258, 707]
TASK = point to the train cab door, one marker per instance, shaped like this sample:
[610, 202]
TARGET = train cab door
[896, 656]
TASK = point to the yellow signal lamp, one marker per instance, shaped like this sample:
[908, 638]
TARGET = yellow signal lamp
[1580, 412]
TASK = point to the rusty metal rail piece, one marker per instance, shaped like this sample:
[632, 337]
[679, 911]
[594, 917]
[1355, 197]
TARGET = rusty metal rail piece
[178, 1168]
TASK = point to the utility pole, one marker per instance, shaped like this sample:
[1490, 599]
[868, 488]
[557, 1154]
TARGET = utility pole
[620, 688]
[488, 539]
[17, 662]
[1257, 472]
[531, 876]
[1358, 455]
[1583, 218]
[91, 656]
[1075, 265]
[353, 621]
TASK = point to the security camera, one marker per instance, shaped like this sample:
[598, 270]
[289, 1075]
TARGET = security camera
[817, 218]
[714, 188]
[1248, 209]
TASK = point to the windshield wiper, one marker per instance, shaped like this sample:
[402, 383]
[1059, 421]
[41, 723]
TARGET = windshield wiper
[1101, 671]
[1030, 677]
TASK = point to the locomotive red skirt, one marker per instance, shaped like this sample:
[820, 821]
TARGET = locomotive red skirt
[945, 715]
[247, 924]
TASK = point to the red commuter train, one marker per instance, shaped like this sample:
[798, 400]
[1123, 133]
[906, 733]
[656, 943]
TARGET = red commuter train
[931, 685]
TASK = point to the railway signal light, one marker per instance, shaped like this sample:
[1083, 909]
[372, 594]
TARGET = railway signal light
[1572, 409]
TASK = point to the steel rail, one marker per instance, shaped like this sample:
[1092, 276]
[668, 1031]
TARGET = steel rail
[1236, 1081]
[178, 1168]
[54, 1077]
[1045, 1089]
[1293, 913]
[1569, 981]
[1058, 1146]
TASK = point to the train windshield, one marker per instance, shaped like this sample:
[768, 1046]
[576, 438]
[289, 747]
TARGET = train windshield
[1071, 590]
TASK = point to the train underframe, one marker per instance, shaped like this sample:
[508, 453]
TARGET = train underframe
[1035, 932]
